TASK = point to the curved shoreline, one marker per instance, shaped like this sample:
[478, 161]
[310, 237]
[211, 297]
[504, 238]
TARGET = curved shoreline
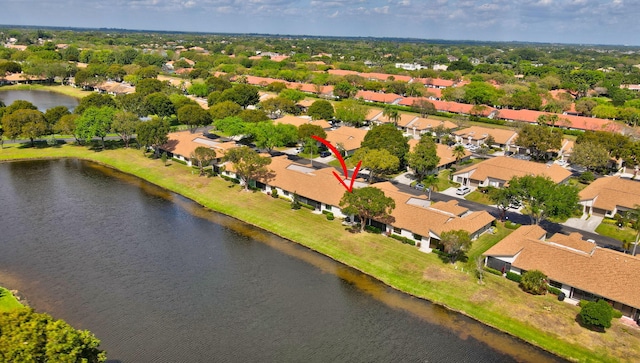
[140, 173]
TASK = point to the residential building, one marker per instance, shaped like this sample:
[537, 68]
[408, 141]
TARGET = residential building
[610, 195]
[444, 152]
[181, 145]
[497, 172]
[346, 138]
[477, 135]
[579, 268]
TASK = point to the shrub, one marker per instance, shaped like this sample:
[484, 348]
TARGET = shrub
[403, 239]
[274, 193]
[617, 314]
[179, 161]
[534, 282]
[582, 303]
[440, 253]
[596, 314]
[511, 225]
[514, 276]
[308, 206]
[372, 229]
[329, 215]
[554, 290]
[587, 177]
[230, 179]
[492, 271]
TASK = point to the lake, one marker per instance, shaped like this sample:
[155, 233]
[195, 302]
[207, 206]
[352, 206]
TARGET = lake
[44, 100]
[158, 278]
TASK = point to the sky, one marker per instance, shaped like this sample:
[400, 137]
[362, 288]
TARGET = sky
[548, 21]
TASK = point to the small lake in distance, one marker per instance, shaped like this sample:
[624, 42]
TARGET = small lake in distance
[44, 100]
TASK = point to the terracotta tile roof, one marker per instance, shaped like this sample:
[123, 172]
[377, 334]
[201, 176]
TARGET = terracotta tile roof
[406, 119]
[611, 192]
[422, 124]
[385, 76]
[408, 101]
[603, 272]
[436, 82]
[116, 87]
[446, 154]
[297, 121]
[566, 121]
[504, 168]
[378, 97]
[184, 143]
[450, 207]
[424, 221]
[574, 241]
[456, 107]
[307, 102]
[373, 114]
[349, 137]
[317, 184]
[478, 133]
[341, 72]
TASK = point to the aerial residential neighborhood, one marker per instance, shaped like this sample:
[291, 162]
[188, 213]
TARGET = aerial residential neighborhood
[498, 181]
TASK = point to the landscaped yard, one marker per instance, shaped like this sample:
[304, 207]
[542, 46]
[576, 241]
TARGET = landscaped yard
[540, 320]
[609, 228]
[479, 197]
[486, 241]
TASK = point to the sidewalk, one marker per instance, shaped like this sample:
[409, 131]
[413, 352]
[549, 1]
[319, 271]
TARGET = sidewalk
[583, 223]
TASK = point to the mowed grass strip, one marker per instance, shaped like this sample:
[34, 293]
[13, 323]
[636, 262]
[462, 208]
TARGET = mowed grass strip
[540, 320]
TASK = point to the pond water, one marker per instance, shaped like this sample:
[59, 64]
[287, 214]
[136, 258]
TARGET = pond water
[44, 100]
[160, 279]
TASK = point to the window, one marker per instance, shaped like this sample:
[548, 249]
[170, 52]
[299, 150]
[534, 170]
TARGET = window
[556, 284]
[397, 230]
[327, 207]
[417, 237]
[286, 193]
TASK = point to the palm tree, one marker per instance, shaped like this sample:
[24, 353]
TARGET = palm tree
[459, 152]
[392, 114]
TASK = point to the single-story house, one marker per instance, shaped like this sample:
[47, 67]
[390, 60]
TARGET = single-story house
[346, 138]
[477, 135]
[417, 218]
[298, 121]
[579, 268]
[610, 195]
[496, 172]
[181, 145]
[371, 96]
[444, 152]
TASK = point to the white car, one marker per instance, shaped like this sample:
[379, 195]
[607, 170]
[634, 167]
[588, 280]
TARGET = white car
[463, 190]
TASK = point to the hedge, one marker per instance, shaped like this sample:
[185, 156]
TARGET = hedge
[514, 277]
[179, 161]
[403, 239]
[554, 290]
[230, 179]
[372, 229]
[492, 271]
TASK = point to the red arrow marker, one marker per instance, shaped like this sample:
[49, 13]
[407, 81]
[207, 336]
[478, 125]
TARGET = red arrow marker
[344, 165]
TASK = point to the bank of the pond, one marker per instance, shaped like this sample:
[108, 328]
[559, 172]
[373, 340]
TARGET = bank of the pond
[65, 90]
[8, 301]
[539, 320]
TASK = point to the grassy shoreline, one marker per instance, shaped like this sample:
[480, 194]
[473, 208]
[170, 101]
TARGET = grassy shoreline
[541, 321]
[65, 90]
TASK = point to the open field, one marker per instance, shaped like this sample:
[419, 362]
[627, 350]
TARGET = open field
[540, 320]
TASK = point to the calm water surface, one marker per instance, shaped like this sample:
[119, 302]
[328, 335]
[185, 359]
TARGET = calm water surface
[159, 279]
[44, 100]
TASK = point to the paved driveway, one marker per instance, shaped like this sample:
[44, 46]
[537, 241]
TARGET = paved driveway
[584, 224]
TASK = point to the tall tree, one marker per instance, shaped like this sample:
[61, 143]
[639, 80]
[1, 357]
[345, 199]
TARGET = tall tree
[305, 131]
[368, 203]
[392, 114]
[95, 122]
[389, 138]
[194, 116]
[590, 155]
[124, 124]
[379, 162]
[26, 123]
[95, 100]
[321, 110]
[159, 104]
[267, 135]
[242, 94]
[544, 198]
[539, 140]
[28, 336]
[153, 134]
[504, 198]
[67, 126]
[424, 157]
[53, 114]
[424, 107]
[459, 152]
[249, 165]
[455, 243]
[203, 156]
[351, 112]
[224, 109]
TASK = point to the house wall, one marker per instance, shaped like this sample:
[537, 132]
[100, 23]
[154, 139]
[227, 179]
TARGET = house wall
[422, 243]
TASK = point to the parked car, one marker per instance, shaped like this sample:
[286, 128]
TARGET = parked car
[324, 154]
[419, 186]
[463, 190]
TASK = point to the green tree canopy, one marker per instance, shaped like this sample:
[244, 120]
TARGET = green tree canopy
[389, 138]
[321, 110]
[544, 198]
[28, 336]
[67, 126]
[194, 116]
[379, 161]
[590, 155]
[424, 158]
[423, 107]
[53, 114]
[267, 135]
[351, 112]
[95, 122]
[248, 164]
[124, 124]
[19, 105]
[368, 203]
[224, 109]
[153, 133]
[159, 104]
[292, 94]
[242, 94]
[539, 140]
[455, 243]
[148, 86]
[203, 156]
[305, 131]
[26, 123]
[95, 100]
[232, 125]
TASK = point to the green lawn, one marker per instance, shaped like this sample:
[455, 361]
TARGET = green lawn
[479, 197]
[486, 241]
[609, 228]
[498, 302]
[8, 301]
